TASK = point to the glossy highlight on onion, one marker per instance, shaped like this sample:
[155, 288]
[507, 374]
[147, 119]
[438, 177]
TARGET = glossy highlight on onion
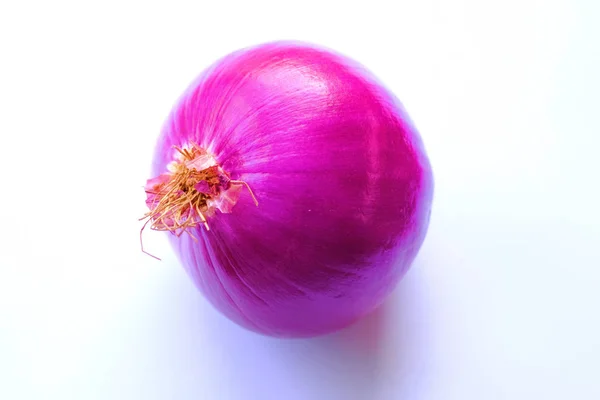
[294, 186]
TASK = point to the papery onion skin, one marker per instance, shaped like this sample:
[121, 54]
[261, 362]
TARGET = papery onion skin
[341, 175]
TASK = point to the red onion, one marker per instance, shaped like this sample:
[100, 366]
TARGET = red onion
[296, 188]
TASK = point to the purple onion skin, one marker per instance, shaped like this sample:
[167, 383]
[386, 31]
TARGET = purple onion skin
[341, 175]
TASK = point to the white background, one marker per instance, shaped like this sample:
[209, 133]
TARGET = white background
[502, 303]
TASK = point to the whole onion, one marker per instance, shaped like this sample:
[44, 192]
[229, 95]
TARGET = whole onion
[297, 190]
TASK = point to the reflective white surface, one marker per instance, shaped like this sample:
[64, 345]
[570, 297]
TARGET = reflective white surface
[502, 302]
